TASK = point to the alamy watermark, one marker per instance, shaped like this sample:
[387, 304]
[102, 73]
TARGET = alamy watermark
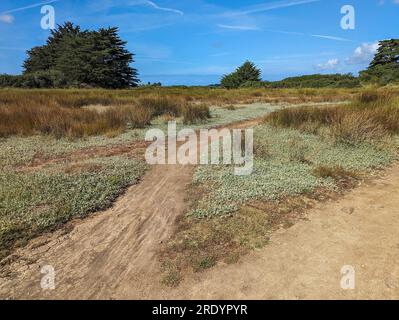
[47, 22]
[205, 149]
[48, 279]
[348, 280]
[348, 21]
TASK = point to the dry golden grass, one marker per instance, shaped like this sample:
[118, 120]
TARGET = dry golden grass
[373, 114]
[70, 122]
[78, 98]
[71, 113]
[193, 113]
[73, 116]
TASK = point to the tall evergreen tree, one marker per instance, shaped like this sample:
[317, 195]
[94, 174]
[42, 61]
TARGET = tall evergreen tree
[96, 58]
[248, 72]
[384, 68]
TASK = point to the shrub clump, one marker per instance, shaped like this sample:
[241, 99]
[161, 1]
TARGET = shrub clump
[195, 113]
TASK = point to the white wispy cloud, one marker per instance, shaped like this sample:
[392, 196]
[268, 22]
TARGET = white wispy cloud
[363, 54]
[6, 18]
[108, 4]
[294, 57]
[155, 6]
[34, 5]
[331, 64]
[382, 2]
[269, 6]
[295, 33]
[329, 37]
[238, 27]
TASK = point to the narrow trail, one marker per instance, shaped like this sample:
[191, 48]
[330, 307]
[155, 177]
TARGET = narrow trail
[113, 254]
[110, 253]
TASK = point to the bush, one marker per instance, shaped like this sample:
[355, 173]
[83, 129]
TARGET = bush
[297, 117]
[356, 127]
[162, 105]
[9, 81]
[36, 80]
[318, 81]
[253, 84]
[336, 172]
[373, 96]
[194, 113]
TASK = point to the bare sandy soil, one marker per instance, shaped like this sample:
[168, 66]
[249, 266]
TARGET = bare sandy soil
[305, 261]
[113, 254]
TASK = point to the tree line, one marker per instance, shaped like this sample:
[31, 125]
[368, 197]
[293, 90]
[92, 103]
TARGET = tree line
[73, 57]
[383, 69]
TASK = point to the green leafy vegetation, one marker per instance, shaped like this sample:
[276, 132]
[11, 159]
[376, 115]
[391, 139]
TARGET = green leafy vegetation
[317, 81]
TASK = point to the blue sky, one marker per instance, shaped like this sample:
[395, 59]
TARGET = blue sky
[194, 42]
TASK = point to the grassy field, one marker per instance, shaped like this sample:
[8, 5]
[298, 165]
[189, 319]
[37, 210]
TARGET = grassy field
[47, 180]
[68, 153]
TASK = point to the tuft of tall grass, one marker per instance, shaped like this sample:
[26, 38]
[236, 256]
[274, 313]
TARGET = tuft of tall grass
[374, 96]
[357, 127]
[194, 113]
[160, 105]
[373, 114]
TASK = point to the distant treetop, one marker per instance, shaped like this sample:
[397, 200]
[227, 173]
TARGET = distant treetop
[247, 73]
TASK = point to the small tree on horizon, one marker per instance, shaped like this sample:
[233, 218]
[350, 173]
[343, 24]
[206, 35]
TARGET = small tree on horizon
[248, 72]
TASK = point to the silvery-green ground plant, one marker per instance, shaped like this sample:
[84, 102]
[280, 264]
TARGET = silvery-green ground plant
[285, 167]
[33, 202]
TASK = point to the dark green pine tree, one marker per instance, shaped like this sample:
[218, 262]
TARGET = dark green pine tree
[384, 68]
[247, 73]
[95, 58]
[109, 60]
[43, 58]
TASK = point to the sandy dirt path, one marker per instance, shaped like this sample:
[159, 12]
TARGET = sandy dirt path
[113, 254]
[305, 261]
[110, 254]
